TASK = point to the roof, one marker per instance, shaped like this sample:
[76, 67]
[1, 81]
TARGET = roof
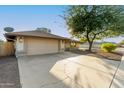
[34, 33]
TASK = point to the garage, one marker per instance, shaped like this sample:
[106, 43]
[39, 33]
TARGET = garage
[37, 42]
[37, 45]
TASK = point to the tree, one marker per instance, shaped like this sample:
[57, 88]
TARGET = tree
[92, 22]
[8, 29]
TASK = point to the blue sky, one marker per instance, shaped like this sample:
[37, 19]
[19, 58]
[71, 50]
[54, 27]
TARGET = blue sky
[23, 18]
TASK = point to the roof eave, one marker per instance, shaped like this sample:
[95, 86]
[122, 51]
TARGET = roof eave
[15, 35]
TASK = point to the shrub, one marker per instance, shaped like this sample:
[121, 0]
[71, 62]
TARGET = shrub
[108, 47]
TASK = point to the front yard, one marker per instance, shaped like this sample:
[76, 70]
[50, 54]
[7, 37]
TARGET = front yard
[68, 69]
[117, 55]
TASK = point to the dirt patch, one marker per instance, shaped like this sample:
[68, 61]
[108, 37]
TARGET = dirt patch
[100, 54]
[9, 73]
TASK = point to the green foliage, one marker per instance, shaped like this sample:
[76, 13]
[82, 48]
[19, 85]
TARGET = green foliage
[94, 22]
[83, 40]
[108, 47]
[71, 47]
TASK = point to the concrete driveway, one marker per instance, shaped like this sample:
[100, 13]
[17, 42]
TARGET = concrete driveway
[66, 70]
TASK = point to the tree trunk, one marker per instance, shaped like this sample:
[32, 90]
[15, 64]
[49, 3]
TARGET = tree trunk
[90, 46]
[90, 41]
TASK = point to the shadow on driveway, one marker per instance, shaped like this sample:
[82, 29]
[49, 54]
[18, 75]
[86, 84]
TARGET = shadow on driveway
[66, 70]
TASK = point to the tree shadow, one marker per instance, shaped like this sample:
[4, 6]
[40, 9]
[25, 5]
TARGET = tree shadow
[76, 79]
[108, 76]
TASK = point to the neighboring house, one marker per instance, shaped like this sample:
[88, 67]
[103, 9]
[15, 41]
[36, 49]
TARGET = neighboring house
[38, 42]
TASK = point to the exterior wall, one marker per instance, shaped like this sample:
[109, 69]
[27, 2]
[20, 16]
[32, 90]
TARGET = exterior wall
[20, 46]
[67, 44]
[77, 45]
[35, 45]
[62, 45]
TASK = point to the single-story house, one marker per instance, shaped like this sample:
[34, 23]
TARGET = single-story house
[38, 42]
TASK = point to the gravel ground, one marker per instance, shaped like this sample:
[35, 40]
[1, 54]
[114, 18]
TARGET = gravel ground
[101, 54]
[9, 73]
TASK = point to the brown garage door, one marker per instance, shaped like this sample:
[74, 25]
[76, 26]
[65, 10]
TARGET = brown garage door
[41, 46]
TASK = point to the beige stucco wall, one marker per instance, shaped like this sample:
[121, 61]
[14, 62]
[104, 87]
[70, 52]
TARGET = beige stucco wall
[37, 45]
[77, 45]
[67, 44]
[20, 46]
[62, 45]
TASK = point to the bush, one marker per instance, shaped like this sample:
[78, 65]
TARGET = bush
[108, 47]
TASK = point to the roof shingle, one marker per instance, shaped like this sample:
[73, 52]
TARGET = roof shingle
[35, 33]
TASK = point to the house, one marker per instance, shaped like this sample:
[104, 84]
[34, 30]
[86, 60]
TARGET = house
[38, 42]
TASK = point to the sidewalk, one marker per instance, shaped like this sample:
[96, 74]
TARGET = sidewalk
[118, 81]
